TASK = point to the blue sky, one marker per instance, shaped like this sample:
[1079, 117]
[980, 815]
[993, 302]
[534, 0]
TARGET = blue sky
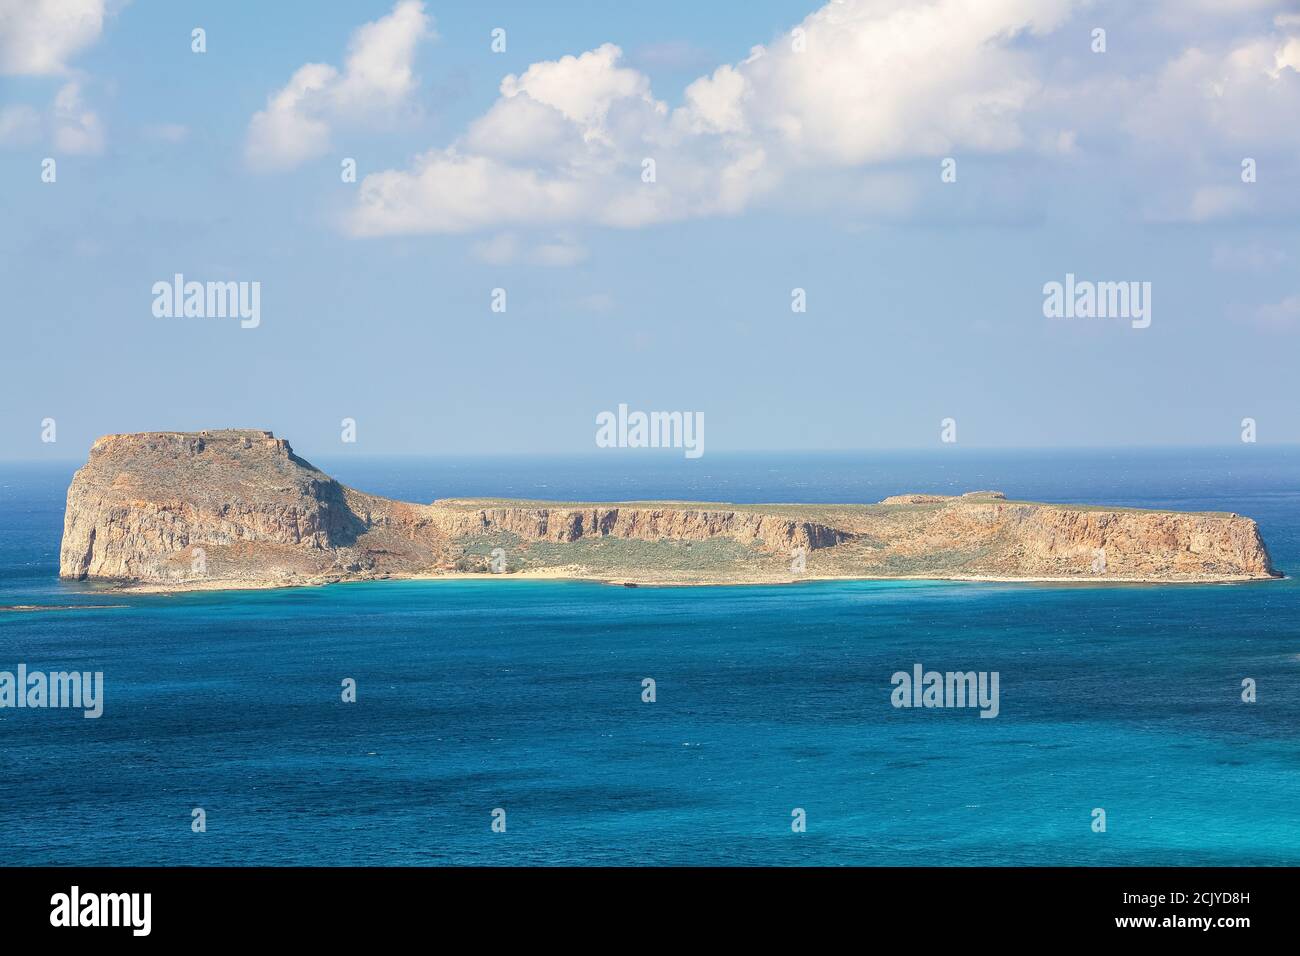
[817, 169]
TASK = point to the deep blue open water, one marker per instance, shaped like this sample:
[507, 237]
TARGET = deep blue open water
[526, 696]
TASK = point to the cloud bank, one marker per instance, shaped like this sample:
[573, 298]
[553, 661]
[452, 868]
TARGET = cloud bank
[856, 82]
[833, 106]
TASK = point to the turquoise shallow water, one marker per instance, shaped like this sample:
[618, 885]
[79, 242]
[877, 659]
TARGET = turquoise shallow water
[527, 696]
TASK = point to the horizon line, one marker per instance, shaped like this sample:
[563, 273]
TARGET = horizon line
[738, 452]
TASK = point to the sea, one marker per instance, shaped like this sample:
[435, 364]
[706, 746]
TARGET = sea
[507, 722]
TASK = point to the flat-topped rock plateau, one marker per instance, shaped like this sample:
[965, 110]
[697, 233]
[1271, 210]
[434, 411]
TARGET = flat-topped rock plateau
[170, 511]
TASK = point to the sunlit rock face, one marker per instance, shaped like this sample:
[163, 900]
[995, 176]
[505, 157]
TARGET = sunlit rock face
[237, 508]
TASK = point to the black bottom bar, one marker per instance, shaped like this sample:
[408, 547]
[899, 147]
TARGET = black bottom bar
[335, 905]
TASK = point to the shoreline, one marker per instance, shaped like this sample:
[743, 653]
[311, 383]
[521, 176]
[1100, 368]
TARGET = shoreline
[562, 574]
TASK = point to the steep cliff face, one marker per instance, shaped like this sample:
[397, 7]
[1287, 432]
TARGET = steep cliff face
[1029, 540]
[239, 508]
[143, 500]
[560, 524]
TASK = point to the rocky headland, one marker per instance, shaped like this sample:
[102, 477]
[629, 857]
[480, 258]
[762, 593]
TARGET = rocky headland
[238, 509]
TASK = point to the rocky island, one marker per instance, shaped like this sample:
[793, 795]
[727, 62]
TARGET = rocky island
[170, 511]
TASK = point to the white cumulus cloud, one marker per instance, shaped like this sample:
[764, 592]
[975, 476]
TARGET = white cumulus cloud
[376, 79]
[76, 129]
[1241, 97]
[37, 37]
[858, 81]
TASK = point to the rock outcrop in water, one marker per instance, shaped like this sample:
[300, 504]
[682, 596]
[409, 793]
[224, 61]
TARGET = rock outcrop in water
[237, 508]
